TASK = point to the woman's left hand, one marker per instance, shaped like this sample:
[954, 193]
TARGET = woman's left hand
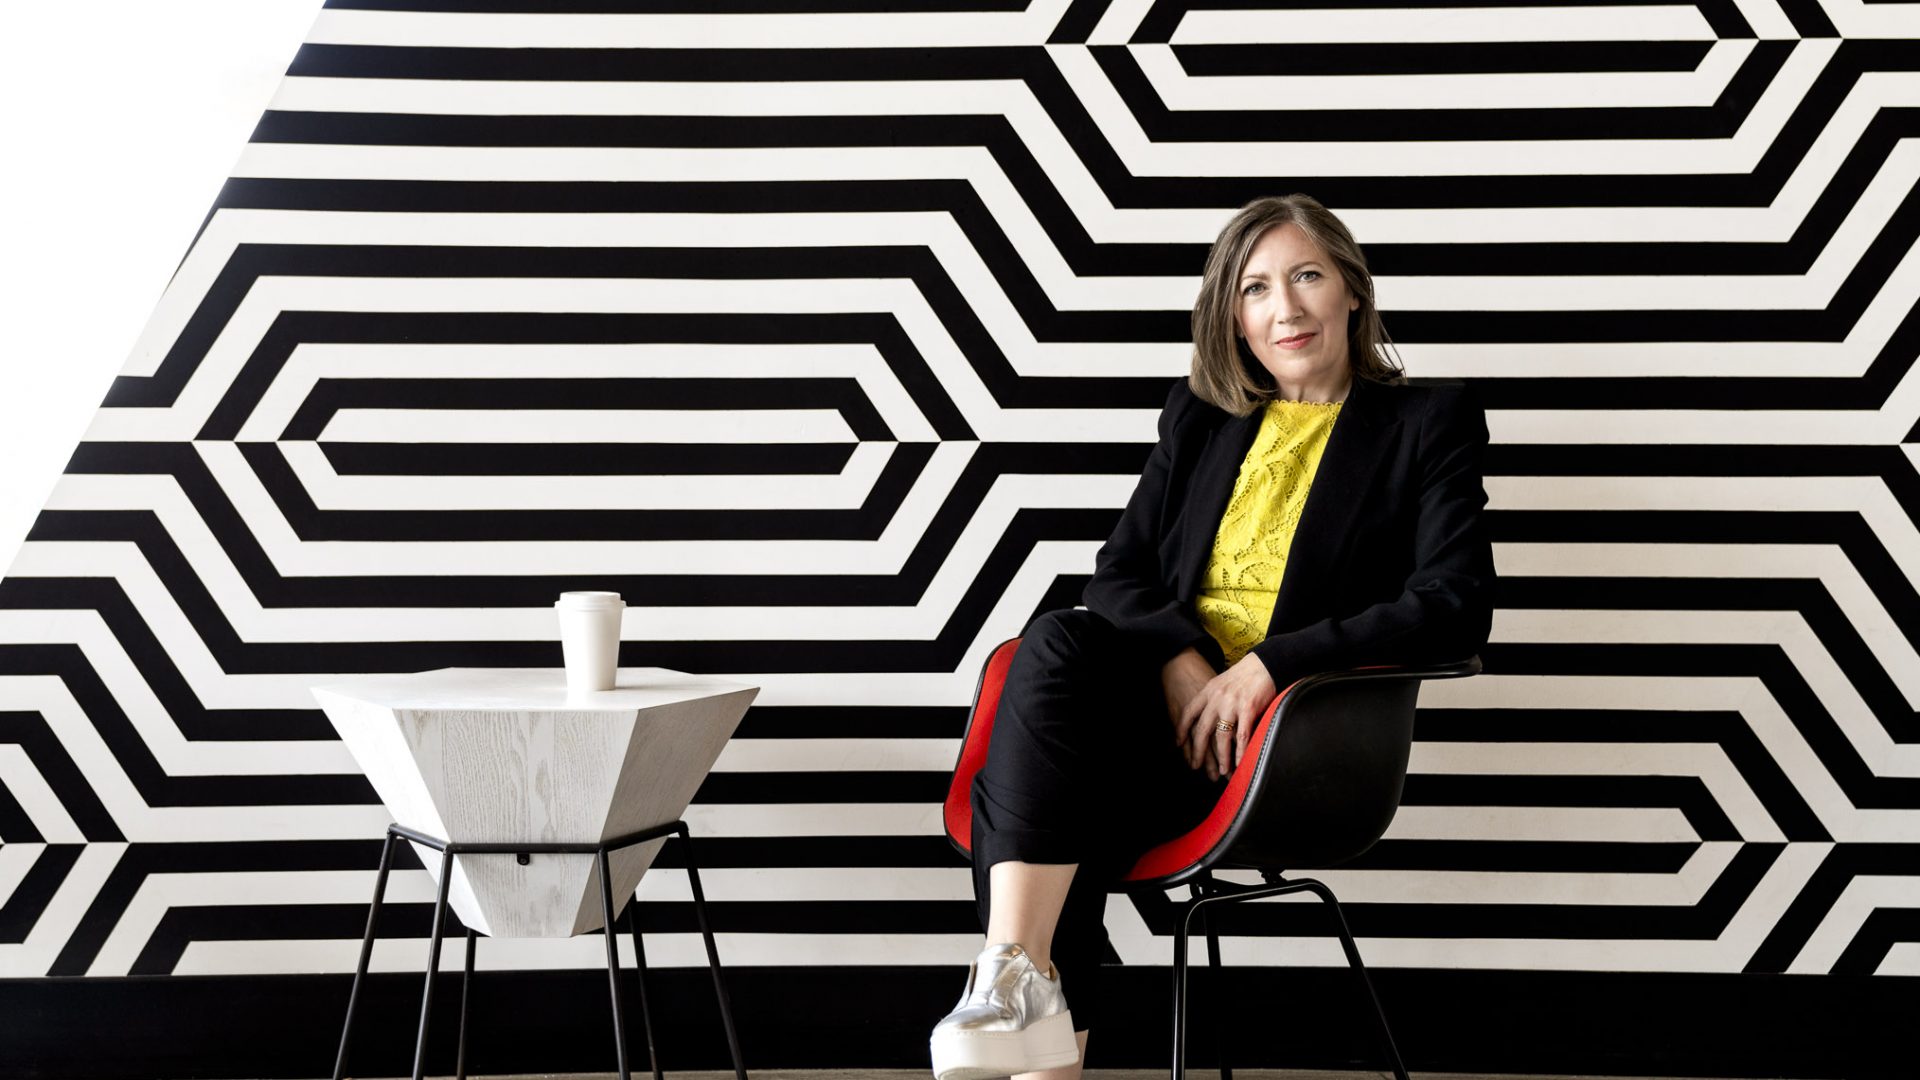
[1237, 696]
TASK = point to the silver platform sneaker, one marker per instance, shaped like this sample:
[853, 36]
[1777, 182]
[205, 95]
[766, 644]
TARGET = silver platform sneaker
[1011, 1019]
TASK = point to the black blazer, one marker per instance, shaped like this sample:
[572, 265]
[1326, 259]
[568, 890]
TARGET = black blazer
[1390, 562]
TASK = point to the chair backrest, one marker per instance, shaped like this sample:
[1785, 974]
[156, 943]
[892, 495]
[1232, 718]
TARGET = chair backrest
[1328, 776]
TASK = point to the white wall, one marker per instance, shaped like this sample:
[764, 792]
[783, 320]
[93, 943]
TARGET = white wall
[120, 118]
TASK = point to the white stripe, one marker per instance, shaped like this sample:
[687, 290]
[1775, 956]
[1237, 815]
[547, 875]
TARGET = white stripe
[1707, 761]
[1777, 222]
[1699, 88]
[1857, 599]
[587, 951]
[226, 357]
[1761, 130]
[1863, 895]
[142, 823]
[1135, 944]
[1119, 21]
[986, 298]
[1769, 23]
[1641, 291]
[1788, 746]
[1105, 223]
[1729, 953]
[862, 364]
[1693, 427]
[1776, 731]
[211, 378]
[848, 489]
[1785, 743]
[1678, 889]
[839, 755]
[21, 779]
[1617, 824]
[835, 30]
[1315, 26]
[17, 858]
[70, 902]
[159, 893]
[1857, 19]
[545, 426]
[162, 892]
[1902, 959]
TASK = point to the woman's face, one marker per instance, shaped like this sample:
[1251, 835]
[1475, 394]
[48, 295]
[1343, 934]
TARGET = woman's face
[1290, 288]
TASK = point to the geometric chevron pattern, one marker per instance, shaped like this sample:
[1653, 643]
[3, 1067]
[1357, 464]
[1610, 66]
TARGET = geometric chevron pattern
[834, 341]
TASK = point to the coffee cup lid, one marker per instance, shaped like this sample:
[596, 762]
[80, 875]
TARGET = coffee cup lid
[589, 599]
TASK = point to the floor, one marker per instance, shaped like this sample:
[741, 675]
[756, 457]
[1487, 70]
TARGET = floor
[1091, 1074]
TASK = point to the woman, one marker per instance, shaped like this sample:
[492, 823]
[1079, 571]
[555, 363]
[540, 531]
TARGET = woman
[1304, 509]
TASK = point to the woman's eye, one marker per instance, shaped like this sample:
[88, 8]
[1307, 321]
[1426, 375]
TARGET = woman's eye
[1304, 273]
[1250, 288]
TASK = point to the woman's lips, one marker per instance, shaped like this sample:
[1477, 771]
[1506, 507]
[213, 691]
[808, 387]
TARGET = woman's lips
[1295, 342]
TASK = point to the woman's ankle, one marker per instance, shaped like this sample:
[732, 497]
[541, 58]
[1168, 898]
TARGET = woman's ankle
[1042, 962]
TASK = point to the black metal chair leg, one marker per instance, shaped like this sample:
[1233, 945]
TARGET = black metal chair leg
[433, 964]
[1219, 977]
[1360, 969]
[613, 962]
[366, 954]
[466, 981]
[640, 966]
[713, 955]
[1180, 993]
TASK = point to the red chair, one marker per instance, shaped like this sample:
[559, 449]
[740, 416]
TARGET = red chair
[1318, 785]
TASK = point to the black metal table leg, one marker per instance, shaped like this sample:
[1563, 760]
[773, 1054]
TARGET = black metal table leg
[366, 953]
[433, 963]
[713, 955]
[613, 962]
[466, 980]
[640, 971]
[523, 850]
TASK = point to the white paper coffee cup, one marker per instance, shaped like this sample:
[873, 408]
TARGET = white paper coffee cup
[590, 638]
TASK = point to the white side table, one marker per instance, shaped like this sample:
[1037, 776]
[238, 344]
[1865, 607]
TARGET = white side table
[582, 790]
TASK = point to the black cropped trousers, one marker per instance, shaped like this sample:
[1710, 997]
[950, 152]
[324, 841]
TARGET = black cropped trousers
[1082, 768]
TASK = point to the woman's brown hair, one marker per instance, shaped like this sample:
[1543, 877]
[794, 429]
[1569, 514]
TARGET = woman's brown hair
[1225, 371]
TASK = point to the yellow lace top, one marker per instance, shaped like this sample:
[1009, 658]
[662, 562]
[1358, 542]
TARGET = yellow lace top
[1250, 550]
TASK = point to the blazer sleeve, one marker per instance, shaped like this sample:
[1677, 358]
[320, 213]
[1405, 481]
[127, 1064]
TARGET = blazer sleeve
[1128, 588]
[1446, 610]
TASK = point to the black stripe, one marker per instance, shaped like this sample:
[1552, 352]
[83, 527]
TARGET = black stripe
[550, 1022]
[1878, 934]
[584, 459]
[843, 395]
[687, 7]
[1164, 16]
[1720, 120]
[22, 910]
[36, 738]
[869, 521]
[1816, 898]
[1439, 58]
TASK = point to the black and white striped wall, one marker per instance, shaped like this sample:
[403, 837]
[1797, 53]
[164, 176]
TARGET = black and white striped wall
[834, 339]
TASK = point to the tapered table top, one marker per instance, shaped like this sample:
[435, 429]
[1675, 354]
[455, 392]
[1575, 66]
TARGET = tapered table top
[526, 689]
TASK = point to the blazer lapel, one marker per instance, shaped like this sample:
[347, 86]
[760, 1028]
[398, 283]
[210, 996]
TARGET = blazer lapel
[1212, 485]
[1354, 450]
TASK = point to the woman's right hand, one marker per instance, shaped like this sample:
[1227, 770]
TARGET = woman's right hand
[1181, 678]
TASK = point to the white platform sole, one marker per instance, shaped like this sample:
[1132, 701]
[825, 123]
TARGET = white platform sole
[979, 1055]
